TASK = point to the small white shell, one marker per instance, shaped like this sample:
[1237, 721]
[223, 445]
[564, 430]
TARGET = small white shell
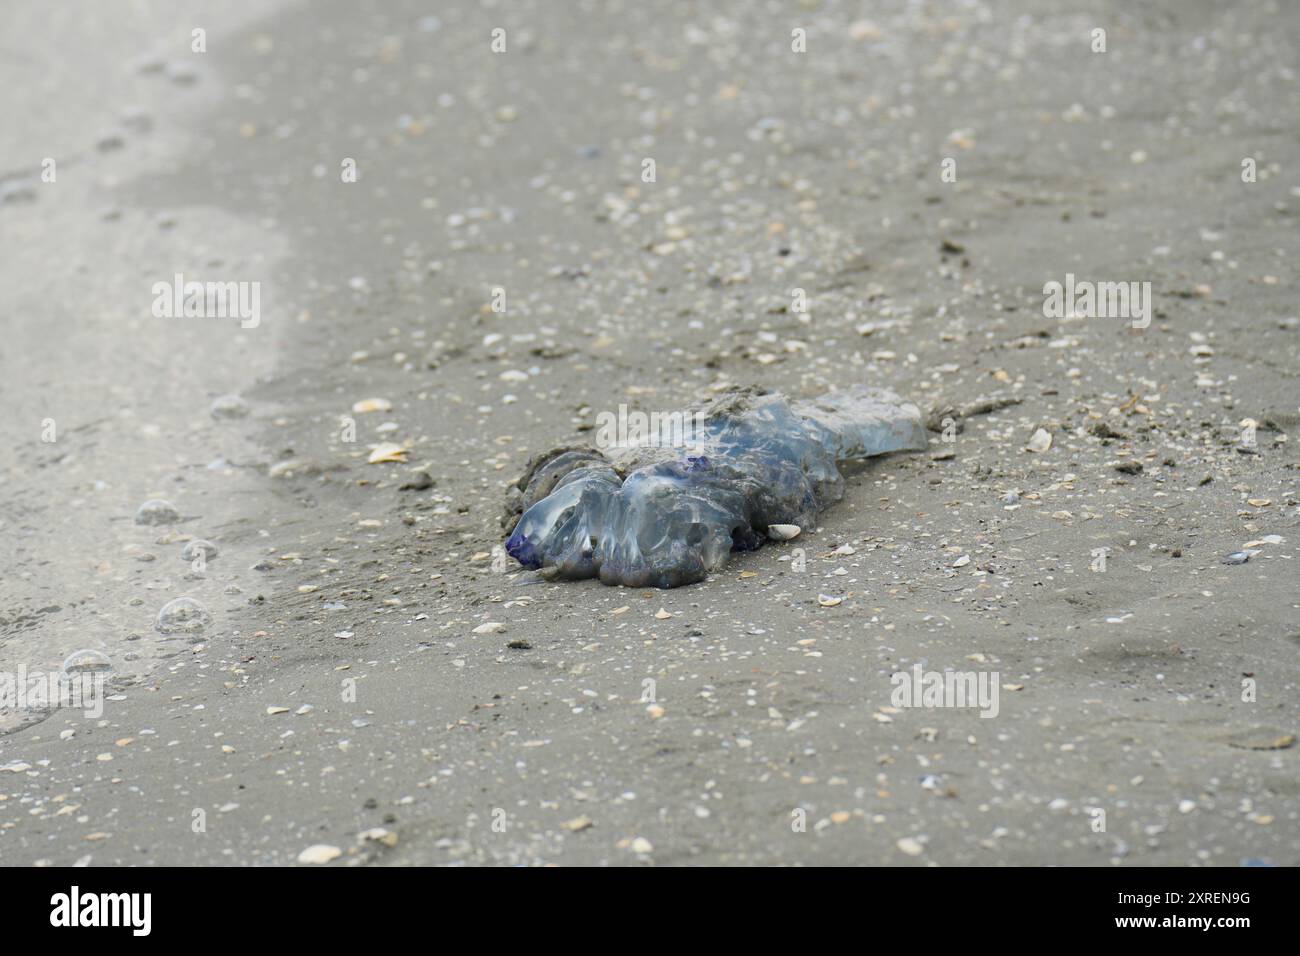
[783, 532]
[1040, 442]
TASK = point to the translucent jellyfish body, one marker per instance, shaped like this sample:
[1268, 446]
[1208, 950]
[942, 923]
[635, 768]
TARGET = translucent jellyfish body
[649, 514]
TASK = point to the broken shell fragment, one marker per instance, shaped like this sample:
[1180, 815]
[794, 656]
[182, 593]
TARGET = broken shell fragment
[1240, 557]
[387, 452]
[1040, 442]
[783, 532]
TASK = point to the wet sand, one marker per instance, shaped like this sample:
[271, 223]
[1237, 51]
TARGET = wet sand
[349, 691]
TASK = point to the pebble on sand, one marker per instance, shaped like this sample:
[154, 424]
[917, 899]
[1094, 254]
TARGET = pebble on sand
[379, 835]
[911, 846]
[228, 406]
[157, 511]
[319, 853]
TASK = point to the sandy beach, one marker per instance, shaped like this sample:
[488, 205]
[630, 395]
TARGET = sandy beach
[461, 233]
